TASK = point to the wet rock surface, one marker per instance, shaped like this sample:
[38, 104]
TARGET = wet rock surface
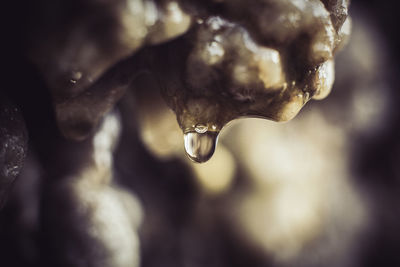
[234, 58]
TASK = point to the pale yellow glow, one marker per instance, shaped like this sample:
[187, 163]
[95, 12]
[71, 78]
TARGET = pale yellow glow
[301, 187]
[216, 175]
[160, 133]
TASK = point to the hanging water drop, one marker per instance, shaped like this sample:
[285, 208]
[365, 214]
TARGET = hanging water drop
[200, 146]
[200, 128]
[75, 76]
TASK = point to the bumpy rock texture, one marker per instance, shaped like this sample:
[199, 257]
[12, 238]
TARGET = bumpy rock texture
[234, 58]
[253, 58]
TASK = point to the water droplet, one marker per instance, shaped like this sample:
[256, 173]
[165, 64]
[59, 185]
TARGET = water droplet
[200, 146]
[75, 76]
[200, 128]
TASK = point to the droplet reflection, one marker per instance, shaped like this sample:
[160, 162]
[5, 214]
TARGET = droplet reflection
[201, 128]
[200, 146]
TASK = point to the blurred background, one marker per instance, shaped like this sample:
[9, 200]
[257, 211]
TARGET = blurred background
[320, 190]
